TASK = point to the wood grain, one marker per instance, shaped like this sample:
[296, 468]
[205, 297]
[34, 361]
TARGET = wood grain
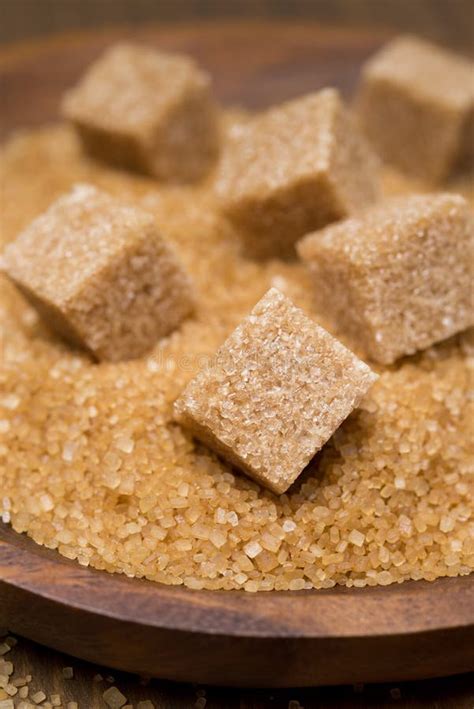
[46, 668]
[278, 639]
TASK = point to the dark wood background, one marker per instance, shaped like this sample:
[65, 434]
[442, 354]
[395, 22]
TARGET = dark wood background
[448, 21]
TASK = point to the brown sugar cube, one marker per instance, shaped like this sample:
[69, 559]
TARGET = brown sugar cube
[416, 104]
[148, 111]
[398, 277]
[100, 273]
[293, 169]
[277, 390]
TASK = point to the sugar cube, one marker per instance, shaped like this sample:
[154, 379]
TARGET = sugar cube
[292, 169]
[146, 110]
[416, 104]
[275, 392]
[99, 272]
[398, 277]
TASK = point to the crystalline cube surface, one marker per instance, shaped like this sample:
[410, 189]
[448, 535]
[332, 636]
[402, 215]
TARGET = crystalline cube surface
[292, 169]
[277, 389]
[99, 272]
[148, 111]
[416, 104]
[397, 278]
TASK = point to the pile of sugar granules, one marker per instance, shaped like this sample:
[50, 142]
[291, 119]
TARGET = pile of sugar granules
[92, 465]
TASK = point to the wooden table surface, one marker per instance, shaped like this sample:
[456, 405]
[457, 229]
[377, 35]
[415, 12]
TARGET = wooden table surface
[450, 21]
[86, 688]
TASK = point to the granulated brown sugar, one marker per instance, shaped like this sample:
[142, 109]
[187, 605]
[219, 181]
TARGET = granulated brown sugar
[91, 463]
[114, 698]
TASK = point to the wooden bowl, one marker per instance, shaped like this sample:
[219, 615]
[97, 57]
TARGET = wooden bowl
[276, 639]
